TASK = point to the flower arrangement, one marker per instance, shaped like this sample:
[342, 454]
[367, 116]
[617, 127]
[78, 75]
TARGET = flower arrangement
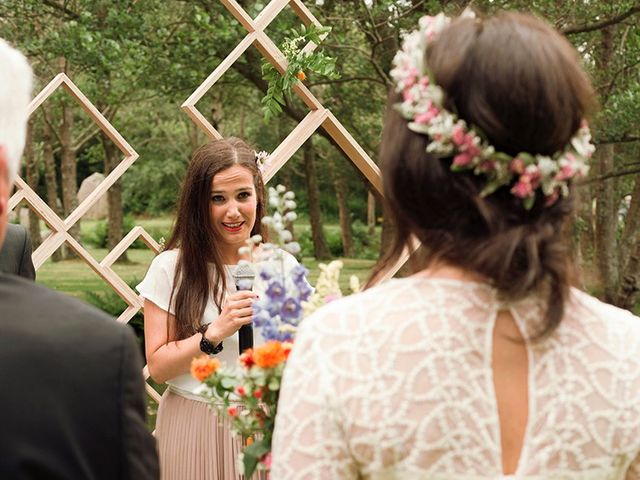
[423, 105]
[299, 65]
[247, 394]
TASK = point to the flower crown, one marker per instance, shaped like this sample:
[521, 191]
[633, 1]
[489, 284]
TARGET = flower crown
[262, 161]
[423, 106]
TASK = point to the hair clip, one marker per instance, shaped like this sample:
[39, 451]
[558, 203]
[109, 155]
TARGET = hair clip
[262, 161]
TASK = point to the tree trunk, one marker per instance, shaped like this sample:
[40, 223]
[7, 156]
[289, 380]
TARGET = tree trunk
[51, 179]
[371, 213]
[343, 209]
[320, 249]
[630, 284]
[114, 197]
[33, 178]
[68, 170]
[606, 225]
[631, 230]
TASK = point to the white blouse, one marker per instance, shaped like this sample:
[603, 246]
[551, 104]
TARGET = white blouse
[396, 383]
[156, 287]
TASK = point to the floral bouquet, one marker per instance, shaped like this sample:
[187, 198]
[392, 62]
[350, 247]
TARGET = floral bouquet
[247, 394]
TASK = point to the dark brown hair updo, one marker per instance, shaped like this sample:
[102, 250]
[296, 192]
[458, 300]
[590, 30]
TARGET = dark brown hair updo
[521, 83]
[194, 235]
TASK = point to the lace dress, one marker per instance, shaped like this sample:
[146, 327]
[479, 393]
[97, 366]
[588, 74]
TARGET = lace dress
[396, 383]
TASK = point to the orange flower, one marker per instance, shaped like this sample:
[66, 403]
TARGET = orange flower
[301, 76]
[258, 394]
[287, 346]
[203, 366]
[249, 441]
[246, 359]
[232, 411]
[269, 355]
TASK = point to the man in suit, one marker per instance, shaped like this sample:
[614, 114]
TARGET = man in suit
[72, 402]
[15, 253]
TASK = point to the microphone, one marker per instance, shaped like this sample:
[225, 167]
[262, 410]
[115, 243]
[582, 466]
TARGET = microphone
[243, 278]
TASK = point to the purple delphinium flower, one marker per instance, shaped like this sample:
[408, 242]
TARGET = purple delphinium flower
[290, 310]
[276, 291]
[305, 290]
[299, 274]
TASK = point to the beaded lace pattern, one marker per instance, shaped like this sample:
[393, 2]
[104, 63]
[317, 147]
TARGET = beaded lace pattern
[396, 383]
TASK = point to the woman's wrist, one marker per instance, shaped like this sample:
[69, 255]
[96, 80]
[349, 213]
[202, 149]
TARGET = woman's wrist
[213, 336]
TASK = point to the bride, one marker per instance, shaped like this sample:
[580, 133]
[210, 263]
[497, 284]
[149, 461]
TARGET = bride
[485, 363]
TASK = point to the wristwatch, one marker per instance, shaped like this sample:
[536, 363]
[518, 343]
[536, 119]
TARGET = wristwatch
[206, 346]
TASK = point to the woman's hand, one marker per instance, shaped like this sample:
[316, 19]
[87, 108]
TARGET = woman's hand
[236, 312]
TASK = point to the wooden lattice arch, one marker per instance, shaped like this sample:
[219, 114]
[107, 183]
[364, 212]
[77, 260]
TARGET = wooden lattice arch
[319, 116]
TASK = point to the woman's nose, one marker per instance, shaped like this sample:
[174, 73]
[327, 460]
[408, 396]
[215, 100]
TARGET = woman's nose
[233, 210]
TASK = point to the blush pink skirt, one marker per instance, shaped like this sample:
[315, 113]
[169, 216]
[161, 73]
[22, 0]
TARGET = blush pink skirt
[193, 444]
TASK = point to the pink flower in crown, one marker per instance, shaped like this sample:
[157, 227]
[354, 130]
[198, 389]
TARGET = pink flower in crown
[487, 166]
[517, 166]
[551, 199]
[424, 81]
[463, 159]
[458, 135]
[523, 188]
[426, 117]
[532, 175]
[568, 168]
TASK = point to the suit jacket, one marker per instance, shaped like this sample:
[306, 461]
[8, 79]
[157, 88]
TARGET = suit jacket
[15, 253]
[72, 393]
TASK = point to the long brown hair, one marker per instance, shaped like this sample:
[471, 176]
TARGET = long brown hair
[522, 84]
[194, 279]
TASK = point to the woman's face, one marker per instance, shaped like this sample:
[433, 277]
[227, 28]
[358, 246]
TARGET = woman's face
[233, 206]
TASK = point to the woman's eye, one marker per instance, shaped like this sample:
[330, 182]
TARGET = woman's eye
[217, 199]
[244, 195]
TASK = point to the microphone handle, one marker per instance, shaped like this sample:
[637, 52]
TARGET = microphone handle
[245, 338]
[245, 335]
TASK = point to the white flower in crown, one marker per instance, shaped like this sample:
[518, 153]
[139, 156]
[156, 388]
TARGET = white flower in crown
[263, 161]
[423, 106]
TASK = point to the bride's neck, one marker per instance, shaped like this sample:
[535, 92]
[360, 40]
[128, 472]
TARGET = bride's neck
[441, 269]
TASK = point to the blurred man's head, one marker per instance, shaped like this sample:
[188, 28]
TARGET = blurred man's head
[15, 95]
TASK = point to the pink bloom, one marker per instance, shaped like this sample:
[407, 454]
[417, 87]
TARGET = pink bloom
[266, 460]
[487, 165]
[424, 81]
[457, 135]
[330, 298]
[522, 189]
[406, 95]
[551, 199]
[565, 173]
[232, 411]
[258, 394]
[427, 116]
[462, 159]
[517, 166]
[240, 390]
[471, 148]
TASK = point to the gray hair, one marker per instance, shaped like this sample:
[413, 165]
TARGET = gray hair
[16, 79]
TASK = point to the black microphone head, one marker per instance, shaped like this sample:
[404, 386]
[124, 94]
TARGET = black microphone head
[243, 276]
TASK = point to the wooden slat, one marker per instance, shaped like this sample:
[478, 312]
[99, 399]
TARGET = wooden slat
[268, 13]
[294, 141]
[219, 70]
[126, 242]
[46, 92]
[239, 14]
[354, 151]
[100, 190]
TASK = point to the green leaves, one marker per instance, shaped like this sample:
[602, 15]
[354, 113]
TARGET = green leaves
[300, 66]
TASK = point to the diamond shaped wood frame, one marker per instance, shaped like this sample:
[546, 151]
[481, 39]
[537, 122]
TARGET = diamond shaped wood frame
[319, 115]
[60, 228]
